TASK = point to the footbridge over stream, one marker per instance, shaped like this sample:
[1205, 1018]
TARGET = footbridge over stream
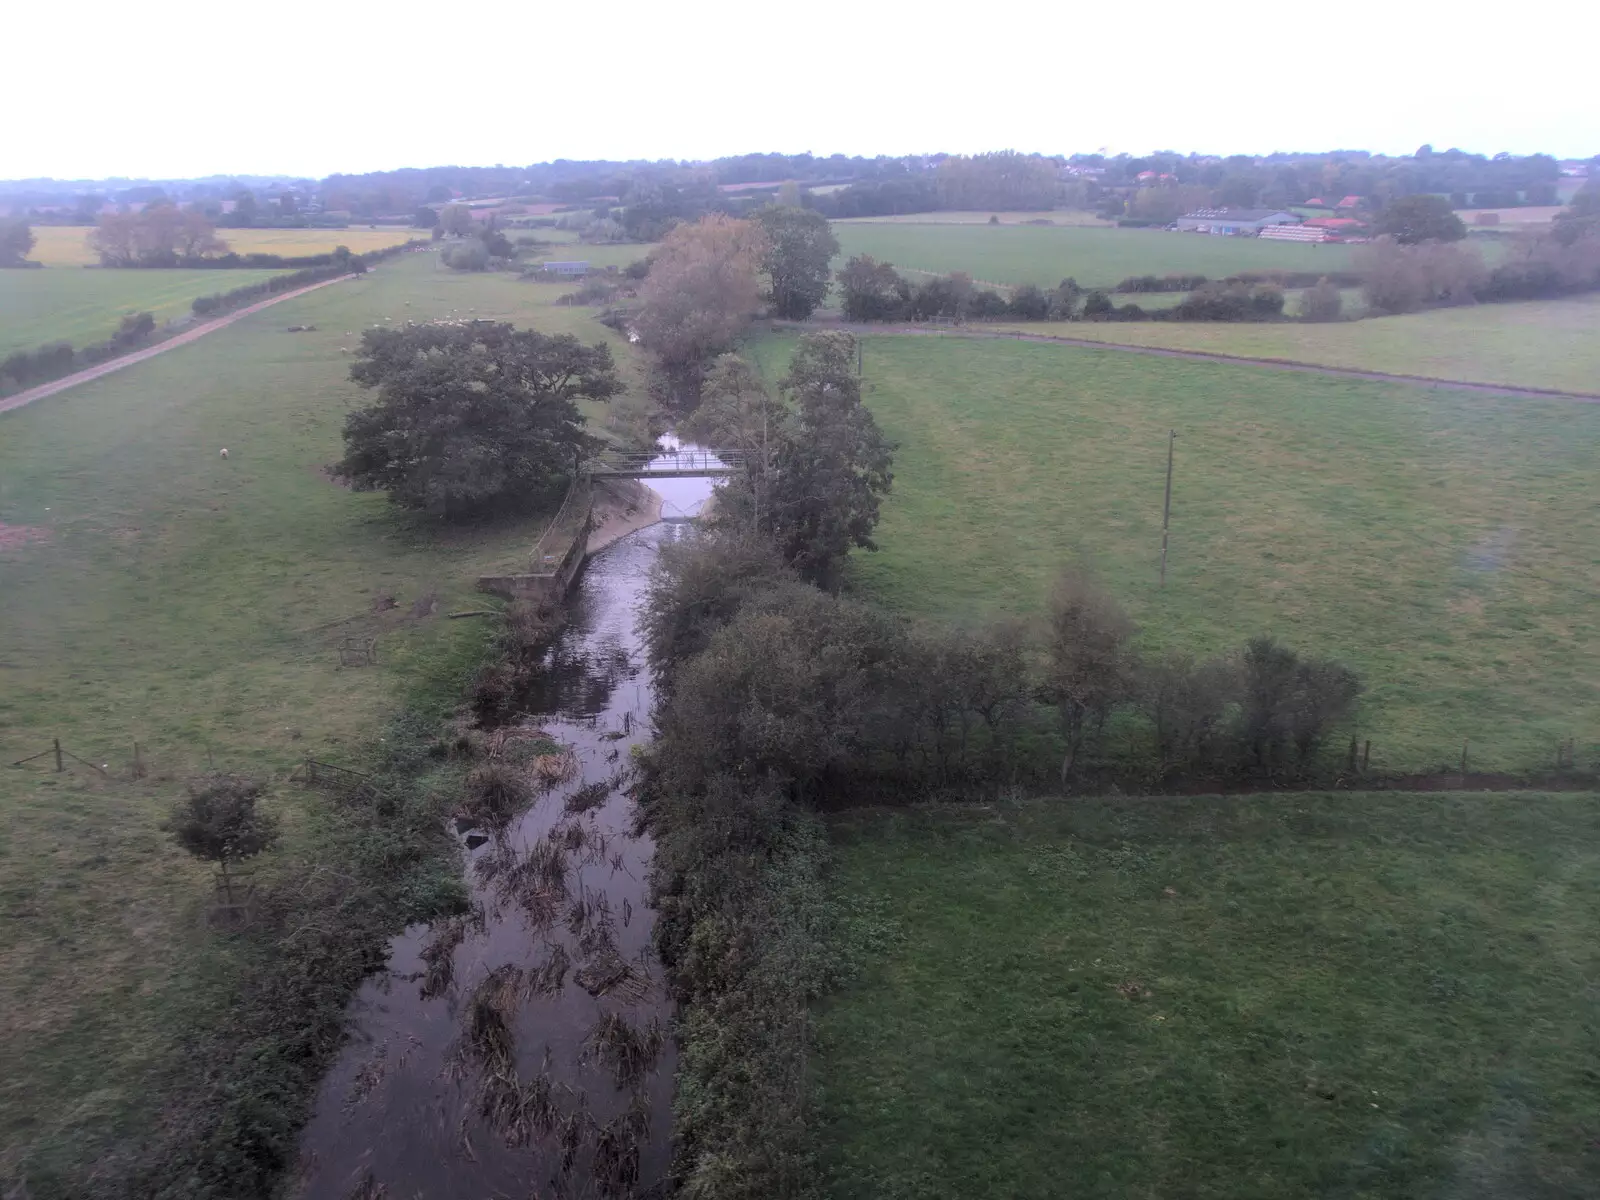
[666, 464]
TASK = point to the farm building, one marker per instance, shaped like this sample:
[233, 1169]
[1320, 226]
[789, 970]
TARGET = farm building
[1294, 233]
[1234, 221]
[564, 268]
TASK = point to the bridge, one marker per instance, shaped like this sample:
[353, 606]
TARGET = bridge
[666, 464]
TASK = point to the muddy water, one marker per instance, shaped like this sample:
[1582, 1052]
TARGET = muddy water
[474, 1067]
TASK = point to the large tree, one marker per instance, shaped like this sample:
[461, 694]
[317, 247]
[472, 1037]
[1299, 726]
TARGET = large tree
[157, 237]
[16, 239]
[471, 418]
[873, 290]
[1421, 218]
[831, 464]
[456, 220]
[699, 297]
[798, 257]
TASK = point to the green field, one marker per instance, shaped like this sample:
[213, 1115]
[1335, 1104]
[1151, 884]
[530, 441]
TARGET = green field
[1537, 343]
[82, 306]
[1013, 254]
[155, 592]
[1445, 544]
[1376, 996]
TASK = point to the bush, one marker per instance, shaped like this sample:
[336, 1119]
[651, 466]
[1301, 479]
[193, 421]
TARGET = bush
[873, 291]
[1324, 302]
[1028, 303]
[1230, 302]
[470, 255]
[218, 820]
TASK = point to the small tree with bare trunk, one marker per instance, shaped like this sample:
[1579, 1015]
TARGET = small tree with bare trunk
[1089, 663]
[218, 821]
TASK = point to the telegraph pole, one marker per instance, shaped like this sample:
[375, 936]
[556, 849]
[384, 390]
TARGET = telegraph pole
[1166, 506]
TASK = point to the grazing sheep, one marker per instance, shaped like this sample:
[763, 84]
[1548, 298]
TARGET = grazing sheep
[224, 452]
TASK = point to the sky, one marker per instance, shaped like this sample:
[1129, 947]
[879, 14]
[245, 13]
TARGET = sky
[186, 89]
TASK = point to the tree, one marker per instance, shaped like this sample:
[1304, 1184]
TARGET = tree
[218, 822]
[1581, 217]
[1168, 203]
[873, 291]
[471, 419]
[737, 413]
[1419, 218]
[425, 218]
[470, 255]
[156, 237]
[797, 260]
[699, 297]
[831, 463]
[1089, 663]
[1396, 278]
[244, 209]
[16, 239]
[455, 220]
[1322, 302]
[197, 237]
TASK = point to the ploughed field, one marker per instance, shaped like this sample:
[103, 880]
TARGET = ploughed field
[1303, 995]
[1445, 544]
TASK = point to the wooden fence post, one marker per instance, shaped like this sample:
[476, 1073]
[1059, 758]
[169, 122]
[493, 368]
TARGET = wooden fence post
[1366, 756]
[57, 743]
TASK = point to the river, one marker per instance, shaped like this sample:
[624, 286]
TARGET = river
[524, 1050]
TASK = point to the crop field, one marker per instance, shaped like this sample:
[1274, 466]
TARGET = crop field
[84, 306]
[155, 592]
[1445, 544]
[1013, 254]
[1537, 343]
[67, 245]
[1245, 998]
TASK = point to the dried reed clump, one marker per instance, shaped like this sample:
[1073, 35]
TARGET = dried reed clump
[496, 792]
[628, 1050]
[589, 796]
[438, 955]
[569, 1134]
[552, 769]
[494, 690]
[617, 1150]
[487, 1036]
[549, 978]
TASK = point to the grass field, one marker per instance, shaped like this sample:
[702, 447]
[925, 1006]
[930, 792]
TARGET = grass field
[66, 245]
[155, 592]
[1059, 216]
[1376, 996]
[1094, 257]
[1538, 343]
[84, 306]
[1445, 544]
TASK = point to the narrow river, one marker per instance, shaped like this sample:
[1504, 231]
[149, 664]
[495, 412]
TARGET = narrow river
[524, 1050]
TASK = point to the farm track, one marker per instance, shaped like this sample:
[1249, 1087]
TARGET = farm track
[189, 335]
[1282, 364]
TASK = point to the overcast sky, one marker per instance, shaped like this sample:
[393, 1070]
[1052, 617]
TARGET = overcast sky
[185, 89]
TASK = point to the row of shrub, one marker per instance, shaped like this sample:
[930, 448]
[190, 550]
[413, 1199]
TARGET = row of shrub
[1283, 279]
[25, 368]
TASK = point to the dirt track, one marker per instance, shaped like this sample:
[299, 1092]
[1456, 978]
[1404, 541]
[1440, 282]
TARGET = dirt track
[116, 364]
[1282, 364]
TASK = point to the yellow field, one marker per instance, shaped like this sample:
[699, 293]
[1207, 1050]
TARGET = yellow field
[67, 245]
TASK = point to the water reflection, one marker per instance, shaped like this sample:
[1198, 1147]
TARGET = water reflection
[520, 1048]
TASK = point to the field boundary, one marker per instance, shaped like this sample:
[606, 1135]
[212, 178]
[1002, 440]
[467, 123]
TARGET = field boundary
[44, 390]
[1284, 364]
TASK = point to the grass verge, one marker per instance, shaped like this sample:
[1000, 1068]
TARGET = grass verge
[1314, 995]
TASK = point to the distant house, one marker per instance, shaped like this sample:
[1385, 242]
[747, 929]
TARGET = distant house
[1348, 203]
[1234, 222]
[564, 268]
[1317, 202]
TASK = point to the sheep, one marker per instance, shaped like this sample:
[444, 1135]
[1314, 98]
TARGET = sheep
[224, 452]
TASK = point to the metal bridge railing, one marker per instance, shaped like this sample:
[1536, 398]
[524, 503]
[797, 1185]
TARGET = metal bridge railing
[669, 462]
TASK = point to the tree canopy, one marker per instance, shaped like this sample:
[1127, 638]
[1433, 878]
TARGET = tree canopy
[157, 237]
[471, 418]
[797, 260]
[700, 295]
[1422, 218]
[816, 489]
[16, 239]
